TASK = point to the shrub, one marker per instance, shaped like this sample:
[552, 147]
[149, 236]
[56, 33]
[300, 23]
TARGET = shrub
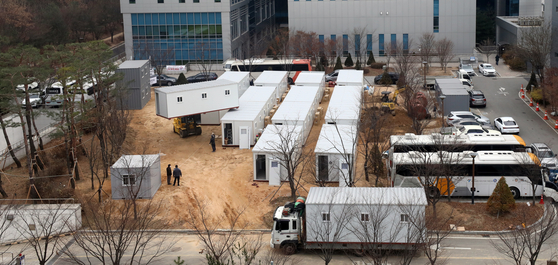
[357, 66]
[181, 79]
[532, 82]
[537, 96]
[371, 59]
[386, 79]
[517, 64]
[501, 200]
[349, 61]
[377, 65]
[338, 64]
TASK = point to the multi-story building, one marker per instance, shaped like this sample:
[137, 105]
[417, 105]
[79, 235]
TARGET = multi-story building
[180, 31]
[381, 22]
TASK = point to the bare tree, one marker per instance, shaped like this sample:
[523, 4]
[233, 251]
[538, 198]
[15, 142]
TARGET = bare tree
[436, 230]
[534, 46]
[525, 243]
[373, 139]
[427, 48]
[158, 57]
[550, 91]
[444, 49]
[488, 48]
[116, 237]
[407, 65]
[527, 167]
[361, 43]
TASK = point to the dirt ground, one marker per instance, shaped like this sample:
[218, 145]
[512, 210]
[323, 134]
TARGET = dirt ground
[223, 181]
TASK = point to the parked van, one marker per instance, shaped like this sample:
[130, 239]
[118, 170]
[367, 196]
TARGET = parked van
[467, 84]
[55, 93]
[462, 74]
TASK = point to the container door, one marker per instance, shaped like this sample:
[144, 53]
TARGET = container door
[323, 168]
[244, 141]
[343, 173]
[274, 173]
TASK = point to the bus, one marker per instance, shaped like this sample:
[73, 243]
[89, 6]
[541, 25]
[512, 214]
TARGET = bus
[260, 65]
[518, 168]
[455, 143]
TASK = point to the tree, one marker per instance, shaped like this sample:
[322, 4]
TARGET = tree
[181, 79]
[116, 237]
[532, 82]
[371, 59]
[535, 45]
[159, 57]
[349, 61]
[501, 200]
[357, 66]
[427, 48]
[407, 65]
[6, 105]
[488, 48]
[338, 64]
[551, 87]
[444, 48]
[358, 39]
[525, 243]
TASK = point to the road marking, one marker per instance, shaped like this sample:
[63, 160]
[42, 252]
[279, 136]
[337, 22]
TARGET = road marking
[551, 127]
[502, 91]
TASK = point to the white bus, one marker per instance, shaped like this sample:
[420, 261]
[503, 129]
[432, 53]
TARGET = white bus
[407, 169]
[260, 65]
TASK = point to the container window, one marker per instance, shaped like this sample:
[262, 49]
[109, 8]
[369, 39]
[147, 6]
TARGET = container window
[179, 99]
[365, 217]
[326, 217]
[227, 92]
[128, 180]
[404, 218]
[204, 95]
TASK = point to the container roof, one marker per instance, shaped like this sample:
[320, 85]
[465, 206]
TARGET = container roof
[310, 78]
[344, 103]
[247, 111]
[195, 86]
[302, 93]
[257, 93]
[135, 161]
[278, 137]
[448, 81]
[337, 139]
[454, 91]
[132, 64]
[271, 77]
[366, 196]
[293, 111]
[350, 76]
[234, 76]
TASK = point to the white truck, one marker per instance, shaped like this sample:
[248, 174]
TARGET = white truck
[338, 218]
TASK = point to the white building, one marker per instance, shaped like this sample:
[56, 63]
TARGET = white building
[350, 78]
[268, 157]
[278, 79]
[312, 79]
[371, 25]
[344, 105]
[180, 31]
[336, 154]
[135, 176]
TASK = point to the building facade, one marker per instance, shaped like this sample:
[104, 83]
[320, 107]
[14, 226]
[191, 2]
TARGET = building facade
[378, 23]
[182, 31]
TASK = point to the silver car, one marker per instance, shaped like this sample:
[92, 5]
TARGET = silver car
[459, 115]
[464, 122]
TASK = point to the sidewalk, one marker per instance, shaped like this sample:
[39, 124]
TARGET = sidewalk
[552, 122]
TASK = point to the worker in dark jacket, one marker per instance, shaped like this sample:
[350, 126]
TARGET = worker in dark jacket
[212, 141]
[177, 174]
[169, 174]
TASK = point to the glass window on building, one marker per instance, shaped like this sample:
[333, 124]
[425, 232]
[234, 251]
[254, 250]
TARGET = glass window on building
[381, 50]
[345, 45]
[357, 45]
[132, 1]
[368, 43]
[161, 1]
[436, 16]
[393, 42]
[406, 42]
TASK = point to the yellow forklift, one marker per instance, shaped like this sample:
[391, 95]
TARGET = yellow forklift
[186, 126]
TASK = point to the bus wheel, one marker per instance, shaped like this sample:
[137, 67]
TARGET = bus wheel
[515, 193]
[359, 252]
[289, 249]
[433, 192]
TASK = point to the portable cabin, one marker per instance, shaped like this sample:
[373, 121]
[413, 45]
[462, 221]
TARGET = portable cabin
[336, 154]
[240, 126]
[136, 84]
[350, 78]
[196, 98]
[266, 153]
[277, 79]
[312, 79]
[346, 209]
[135, 175]
[457, 97]
[296, 113]
[304, 93]
[344, 105]
[242, 78]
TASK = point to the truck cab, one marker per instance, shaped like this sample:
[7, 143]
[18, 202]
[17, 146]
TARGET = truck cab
[286, 232]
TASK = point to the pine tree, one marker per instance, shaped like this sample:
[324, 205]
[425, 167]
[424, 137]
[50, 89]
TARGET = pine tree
[386, 79]
[371, 59]
[357, 66]
[532, 81]
[349, 61]
[501, 200]
[338, 64]
[324, 61]
[181, 79]
[319, 67]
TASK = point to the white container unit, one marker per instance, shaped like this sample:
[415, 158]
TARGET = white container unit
[336, 154]
[196, 98]
[344, 105]
[350, 78]
[312, 79]
[266, 154]
[242, 78]
[304, 93]
[240, 126]
[278, 79]
[296, 113]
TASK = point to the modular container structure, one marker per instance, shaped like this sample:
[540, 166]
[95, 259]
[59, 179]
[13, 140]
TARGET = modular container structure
[457, 97]
[277, 79]
[268, 157]
[135, 83]
[350, 78]
[336, 154]
[344, 105]
[136, 176]
[312, 79]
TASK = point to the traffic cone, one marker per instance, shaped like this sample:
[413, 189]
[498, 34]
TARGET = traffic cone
[522, 92]
[530, 102]
[537, 108]
[545, 115]
[556, 125]
[542, 200]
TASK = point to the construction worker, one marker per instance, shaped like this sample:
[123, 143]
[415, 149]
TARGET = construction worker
[177, 173]
[212, 141]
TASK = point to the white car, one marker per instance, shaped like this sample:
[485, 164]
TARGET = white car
[34, 100]
[506, 125]
[475, 129]
[459, 115]
[487, 69]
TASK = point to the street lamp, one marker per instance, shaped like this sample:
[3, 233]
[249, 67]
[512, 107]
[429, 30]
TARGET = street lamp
[473, 155]
[424, 63]
[442, 97]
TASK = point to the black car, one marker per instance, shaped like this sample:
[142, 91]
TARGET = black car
[476, 98]
[166, 80]
[201, 77]
[394, 77]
